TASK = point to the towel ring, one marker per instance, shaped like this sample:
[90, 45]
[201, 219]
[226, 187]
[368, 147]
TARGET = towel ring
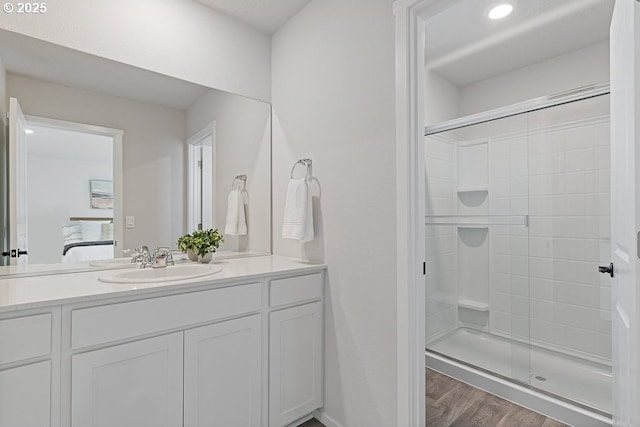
[305, 162]
[239, 179]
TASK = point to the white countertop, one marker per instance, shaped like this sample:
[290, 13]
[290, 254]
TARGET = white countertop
[17, 293]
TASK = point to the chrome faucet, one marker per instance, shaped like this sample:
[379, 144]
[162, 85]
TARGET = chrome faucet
[161, 257]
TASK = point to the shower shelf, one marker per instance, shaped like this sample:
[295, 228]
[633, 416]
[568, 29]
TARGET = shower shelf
[473, 305]
[473, 190]
[478, 221]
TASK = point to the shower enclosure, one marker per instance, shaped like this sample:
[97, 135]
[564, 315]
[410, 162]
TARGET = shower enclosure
[517, 223]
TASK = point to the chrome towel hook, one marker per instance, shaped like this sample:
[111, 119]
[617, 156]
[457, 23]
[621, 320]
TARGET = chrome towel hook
[306, 162]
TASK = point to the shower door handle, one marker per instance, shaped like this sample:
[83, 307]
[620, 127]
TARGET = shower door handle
[606, 269]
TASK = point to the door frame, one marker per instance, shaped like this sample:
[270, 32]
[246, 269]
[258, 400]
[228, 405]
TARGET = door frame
[410, 16]
[208, 130]
[118, 186]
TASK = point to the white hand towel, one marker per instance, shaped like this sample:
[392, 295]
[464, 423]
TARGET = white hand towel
[236, 224]
[242, 219]
[298, 212]
[231, 226]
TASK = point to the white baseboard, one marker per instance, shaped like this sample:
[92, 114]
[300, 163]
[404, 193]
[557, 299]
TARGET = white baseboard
[325, 419]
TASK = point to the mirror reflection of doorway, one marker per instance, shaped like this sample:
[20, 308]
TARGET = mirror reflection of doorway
[201, 193]
[70, 204]
[61, 190]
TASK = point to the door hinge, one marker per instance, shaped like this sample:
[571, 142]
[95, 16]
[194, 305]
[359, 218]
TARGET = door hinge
[424, 268]
[7, 115]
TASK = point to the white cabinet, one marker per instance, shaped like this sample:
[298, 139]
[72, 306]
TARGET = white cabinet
[25, 395]
[295, 363]
[29, 368]
[129, 385]
[247, 353]
[222, 374]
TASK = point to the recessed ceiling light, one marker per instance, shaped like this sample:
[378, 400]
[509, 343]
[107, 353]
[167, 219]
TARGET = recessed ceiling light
[28, 131]
[500, 11]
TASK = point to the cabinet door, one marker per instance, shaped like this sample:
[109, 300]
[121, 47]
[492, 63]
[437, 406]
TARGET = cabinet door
[222, 373]
[129, 385]
[25, 395]
[295, 363]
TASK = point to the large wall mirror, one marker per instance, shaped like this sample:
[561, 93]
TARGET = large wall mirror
[114, 153]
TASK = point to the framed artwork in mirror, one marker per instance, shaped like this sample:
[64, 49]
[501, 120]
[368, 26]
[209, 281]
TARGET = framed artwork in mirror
[101, 194]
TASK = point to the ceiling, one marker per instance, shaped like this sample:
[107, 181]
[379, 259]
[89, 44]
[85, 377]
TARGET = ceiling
[264, 15]
[56, 64]
[464, 46]
[68, 144]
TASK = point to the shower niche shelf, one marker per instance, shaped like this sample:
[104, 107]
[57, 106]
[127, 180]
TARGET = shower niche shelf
[473, 305]
[479, 189]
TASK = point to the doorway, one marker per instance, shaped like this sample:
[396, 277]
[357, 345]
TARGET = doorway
[412, 20]
[201, 214]
[65, 190]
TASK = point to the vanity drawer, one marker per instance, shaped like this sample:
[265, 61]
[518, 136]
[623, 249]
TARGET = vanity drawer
[97, 325]
[25, 337]
[295, 289]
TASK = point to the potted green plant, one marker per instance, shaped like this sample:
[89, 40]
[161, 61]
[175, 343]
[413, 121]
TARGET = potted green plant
[201, 244]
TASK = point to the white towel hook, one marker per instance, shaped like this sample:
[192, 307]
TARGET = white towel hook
[305, 162]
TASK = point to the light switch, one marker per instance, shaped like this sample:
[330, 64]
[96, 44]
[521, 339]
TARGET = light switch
[130, 221]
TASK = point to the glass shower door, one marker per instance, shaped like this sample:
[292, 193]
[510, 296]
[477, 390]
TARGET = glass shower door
[477, 246]
[517, 223]
[569, 236]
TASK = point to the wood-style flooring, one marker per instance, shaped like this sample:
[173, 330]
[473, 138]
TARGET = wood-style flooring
[312, 423]
[453, 403]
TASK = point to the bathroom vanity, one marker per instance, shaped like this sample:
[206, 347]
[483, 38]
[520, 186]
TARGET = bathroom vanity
[242, 347]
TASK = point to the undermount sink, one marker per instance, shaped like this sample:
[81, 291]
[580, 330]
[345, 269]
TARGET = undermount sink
[164, 274]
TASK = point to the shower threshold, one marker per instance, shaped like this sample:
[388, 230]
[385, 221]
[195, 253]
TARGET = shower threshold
[569, 378]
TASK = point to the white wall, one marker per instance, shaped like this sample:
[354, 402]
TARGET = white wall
[179, 38]
[59, 189]
[333, 101]
[153, 151]
[575, 69]
[442, 101]
[242, 146]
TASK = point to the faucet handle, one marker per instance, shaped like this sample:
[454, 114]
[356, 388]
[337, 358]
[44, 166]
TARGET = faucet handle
[137, 254]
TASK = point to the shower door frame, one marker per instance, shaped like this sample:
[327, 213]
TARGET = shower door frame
[529, 106]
